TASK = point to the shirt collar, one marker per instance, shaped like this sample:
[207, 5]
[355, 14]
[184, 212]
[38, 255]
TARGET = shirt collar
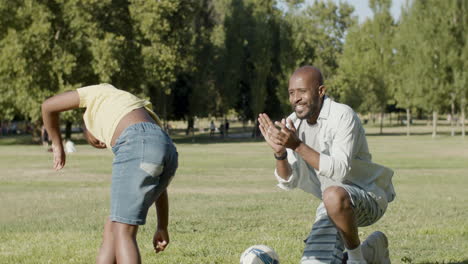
[325, 111]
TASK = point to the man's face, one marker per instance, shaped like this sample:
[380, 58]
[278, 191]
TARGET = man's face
[304, 97]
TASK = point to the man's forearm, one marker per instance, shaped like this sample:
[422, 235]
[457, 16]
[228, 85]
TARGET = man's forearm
[162, 210]
[310, 156]
[283, 169]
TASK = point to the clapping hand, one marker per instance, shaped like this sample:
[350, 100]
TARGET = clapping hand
[277, 134]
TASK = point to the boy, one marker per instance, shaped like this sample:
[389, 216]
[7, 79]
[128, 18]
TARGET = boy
[145, 162]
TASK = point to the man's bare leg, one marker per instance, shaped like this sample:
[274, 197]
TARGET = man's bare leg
[340, 210]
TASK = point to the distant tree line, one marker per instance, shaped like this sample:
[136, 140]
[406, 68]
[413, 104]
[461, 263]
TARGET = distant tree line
[208, 57]
[418, 63]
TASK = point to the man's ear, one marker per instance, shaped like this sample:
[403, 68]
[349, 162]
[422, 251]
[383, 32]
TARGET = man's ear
[322, 89]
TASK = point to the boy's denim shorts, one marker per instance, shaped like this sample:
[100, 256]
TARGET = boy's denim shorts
[144, 164]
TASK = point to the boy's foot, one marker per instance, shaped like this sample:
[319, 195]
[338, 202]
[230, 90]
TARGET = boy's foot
[375, 248]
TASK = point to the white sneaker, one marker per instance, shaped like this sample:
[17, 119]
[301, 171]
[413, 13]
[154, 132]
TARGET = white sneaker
[375, 249]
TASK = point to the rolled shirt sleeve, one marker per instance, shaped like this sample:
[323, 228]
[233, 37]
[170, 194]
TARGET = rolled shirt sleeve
[285, 184]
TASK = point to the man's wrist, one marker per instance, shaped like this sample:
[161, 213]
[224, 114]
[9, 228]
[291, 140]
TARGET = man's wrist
[297, 145]
[281, 155]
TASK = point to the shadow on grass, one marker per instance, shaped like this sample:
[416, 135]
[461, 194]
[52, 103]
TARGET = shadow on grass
[18, 140]
[425, 133]
[402, 134]
[179, 138]
[206, 139]
[443, 262]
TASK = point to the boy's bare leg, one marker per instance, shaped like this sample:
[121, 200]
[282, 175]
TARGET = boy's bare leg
[125, 244]
[107, 252]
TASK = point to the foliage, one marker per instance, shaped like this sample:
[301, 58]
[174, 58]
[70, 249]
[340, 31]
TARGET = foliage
[366, 62]
[205, 58]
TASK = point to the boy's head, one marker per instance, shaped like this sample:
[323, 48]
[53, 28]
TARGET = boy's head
[92, 140]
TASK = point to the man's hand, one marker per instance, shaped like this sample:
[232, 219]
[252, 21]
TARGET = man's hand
[287, 136]
[160, 240]
[59, 156]
[279, 139]
[268, 130]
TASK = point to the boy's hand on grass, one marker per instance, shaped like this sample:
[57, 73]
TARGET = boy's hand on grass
[160, 240]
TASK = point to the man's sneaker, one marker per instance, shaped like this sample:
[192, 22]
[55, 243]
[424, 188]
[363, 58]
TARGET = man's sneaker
[375, 249]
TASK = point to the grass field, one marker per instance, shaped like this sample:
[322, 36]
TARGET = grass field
[224, 200]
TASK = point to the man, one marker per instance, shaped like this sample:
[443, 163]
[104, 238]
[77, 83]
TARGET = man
[322, 149]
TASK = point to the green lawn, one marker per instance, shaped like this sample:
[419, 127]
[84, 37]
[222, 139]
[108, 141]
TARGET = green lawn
[224, 199]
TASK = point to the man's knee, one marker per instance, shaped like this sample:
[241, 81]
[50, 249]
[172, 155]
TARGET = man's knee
[336, 199]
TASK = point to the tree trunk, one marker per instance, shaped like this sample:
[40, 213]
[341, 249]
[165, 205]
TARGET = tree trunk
[36, 131]
[434, 124]
[68, 130]
[190, 127]
[462, 117]
[452, 118]
[165, 126]
[381, 122]
[408, 121]
[256, 129]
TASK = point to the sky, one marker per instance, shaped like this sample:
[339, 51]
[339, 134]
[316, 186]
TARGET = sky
[363, 11]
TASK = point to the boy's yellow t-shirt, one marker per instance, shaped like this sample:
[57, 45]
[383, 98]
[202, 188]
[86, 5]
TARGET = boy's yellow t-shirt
[106, 106]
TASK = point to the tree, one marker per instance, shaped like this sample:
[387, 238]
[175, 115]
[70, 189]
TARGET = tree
[61, 45]
[162, 35]
[203, 98]
[366, 62]
[315, 35]
[26, 67]
[458, 55]
[432, 66]
[404, 76]
[231, 74]
[261, 44]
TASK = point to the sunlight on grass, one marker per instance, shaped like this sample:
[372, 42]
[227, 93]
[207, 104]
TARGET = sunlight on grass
[224, 200]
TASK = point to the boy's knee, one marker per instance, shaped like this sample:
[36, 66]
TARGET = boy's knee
[123, 230]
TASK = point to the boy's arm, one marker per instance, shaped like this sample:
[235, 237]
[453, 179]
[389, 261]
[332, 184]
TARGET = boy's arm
[161, 237]
[162, 209]
[50, 116]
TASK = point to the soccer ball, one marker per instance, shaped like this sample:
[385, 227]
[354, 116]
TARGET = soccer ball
[259, 254]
